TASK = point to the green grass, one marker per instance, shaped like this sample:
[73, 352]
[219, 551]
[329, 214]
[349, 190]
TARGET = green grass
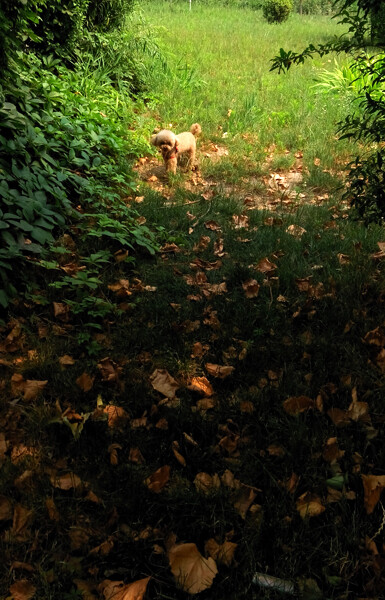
[218, 75]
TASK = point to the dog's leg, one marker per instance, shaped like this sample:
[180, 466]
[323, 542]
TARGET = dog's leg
[171, 165]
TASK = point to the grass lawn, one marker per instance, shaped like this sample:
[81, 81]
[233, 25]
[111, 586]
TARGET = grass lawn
[226, 417]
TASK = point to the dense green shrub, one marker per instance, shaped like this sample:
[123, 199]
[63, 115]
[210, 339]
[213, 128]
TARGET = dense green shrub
[277, 11]
[105, 15]
[365, 189]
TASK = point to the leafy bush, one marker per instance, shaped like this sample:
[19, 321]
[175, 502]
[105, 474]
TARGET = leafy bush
[105, 15]
[62, 144]
[350, 78]
[277, 11]
[366, 177]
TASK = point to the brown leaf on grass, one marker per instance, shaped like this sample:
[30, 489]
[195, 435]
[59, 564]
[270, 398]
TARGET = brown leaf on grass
[222, 553]
[22, 518]
[295, 230]
[135, 456]
[339, 417]
[117, 590]
[120, 255]
[20, 451]
[85, 382]
[303, 283]
[219, 371]
[22, 590]
[229, 443]
[79, 537]
[29, 389]
[121, 288]
[358, 411]
[309, 505]
[375, 337]
[266, 266]
[298, 404]
[199, 350]
[344, 259]
[202, 244]
[219, 248]
[212, 225]
[207, 265]
[240, 221]
[205, 483]
[116, 416]
[251, 288]
[206, 404]
[193, 573]
[201, 385]
[214, 289]
[61, 311]
[66, 360]
[373, 486]
[109, 370]
[331, 452]
[290, 484]
[53, 513]
[175, 448]
[162, 381]
[113, 452]
[157, 481]
[16, 564]
[380, 360]
[67, 481]
[6, 511]
[243, 499]
[104, 548]
[276, 450]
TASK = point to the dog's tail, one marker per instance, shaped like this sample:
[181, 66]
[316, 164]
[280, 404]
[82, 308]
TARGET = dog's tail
[196, 129]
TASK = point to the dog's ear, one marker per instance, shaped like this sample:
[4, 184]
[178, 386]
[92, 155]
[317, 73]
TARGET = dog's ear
[153, 139]
[176, 144]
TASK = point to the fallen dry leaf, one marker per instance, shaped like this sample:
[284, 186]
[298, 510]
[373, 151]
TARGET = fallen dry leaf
[219, 371]
[85, 382]
[22, 590]
[53, 512]
[373, 486]
[295, 230]
[265, 266]
[193, 573]
[175, 448]
[116, 416]
[6, 511]
[222, 553]
[66, 360]
[251, 288]
[117, 590]
[162, 381]
[297, 404]
[66, 481]
[331, 452]
[22, 518]
[158, 479]
[205, 483]
[309, 505]
[243, 500]
[28, 388]
[201, 385]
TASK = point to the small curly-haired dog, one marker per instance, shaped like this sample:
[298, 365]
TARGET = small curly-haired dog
[172, 146]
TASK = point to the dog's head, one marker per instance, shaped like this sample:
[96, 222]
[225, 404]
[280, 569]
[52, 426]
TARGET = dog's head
[165, 140]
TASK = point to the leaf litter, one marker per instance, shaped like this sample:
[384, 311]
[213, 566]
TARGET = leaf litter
[188, 467]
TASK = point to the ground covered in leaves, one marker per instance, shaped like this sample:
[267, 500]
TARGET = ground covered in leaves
[224, 419]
